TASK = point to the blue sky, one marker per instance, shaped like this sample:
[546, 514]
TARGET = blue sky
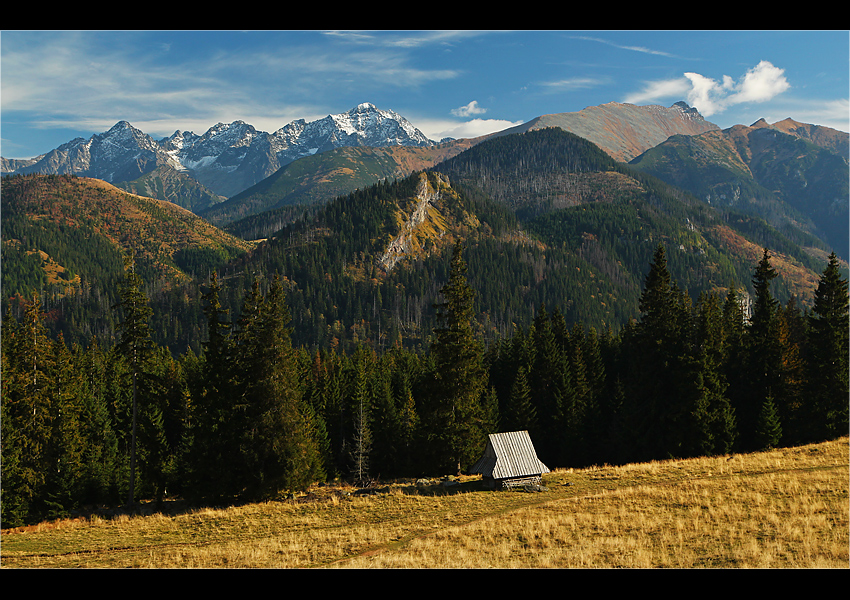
[57, 85]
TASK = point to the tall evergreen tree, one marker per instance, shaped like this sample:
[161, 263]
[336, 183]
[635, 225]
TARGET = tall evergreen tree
[361, 410]
[829, 354]
[793, 386]
[214, 454]
[65, 457]
[547, 382]
[768, 429]
[711, 420]
[134, 345]
[102, 462]
[27, 414]
[454, 419]
[278, 444]
[655, 350]
[520, 413]
[762, 359]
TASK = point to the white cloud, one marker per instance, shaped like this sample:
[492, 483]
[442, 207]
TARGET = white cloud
[470, 109]
[437, 130]
[655, 90]
[760, 84]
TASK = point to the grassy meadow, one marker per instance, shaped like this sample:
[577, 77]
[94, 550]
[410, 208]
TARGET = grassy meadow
[784, 508]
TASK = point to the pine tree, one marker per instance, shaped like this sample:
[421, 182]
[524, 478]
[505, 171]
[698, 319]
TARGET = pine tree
[657, 373]
[135, 345]
[361, 409]
[829, 354]
[711, 428]
[454, 419]
[762, 358]
[27, 414]
[101, 457]
[520, 413]
[214, 468]
[547, 382]
[278, 448]
[793, 387]
[65, 456]
[768, 429]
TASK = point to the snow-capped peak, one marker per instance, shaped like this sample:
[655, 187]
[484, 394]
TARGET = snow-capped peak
[228, 158]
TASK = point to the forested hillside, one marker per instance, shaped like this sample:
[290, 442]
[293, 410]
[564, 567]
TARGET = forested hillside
[65, 238]
[281, 198]
[796, 185]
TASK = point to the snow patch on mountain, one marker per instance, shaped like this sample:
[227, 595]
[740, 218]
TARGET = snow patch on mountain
[236, 149]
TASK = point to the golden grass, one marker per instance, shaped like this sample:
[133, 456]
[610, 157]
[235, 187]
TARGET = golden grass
[786, 508]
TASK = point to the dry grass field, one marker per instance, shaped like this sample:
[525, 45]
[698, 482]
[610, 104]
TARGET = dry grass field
[785, 508]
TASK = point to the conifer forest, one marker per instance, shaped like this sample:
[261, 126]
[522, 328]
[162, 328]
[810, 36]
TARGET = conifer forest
[252, 415]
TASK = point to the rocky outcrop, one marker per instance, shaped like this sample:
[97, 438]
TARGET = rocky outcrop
[426, 222]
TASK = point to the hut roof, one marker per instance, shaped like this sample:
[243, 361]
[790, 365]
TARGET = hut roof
[509, 455]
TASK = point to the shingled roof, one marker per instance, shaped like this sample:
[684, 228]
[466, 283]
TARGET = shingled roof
[509, 455]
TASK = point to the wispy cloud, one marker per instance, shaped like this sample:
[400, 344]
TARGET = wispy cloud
[71, 78]
[759, 84]
[572, 83]
[641, 49]
[402, 39]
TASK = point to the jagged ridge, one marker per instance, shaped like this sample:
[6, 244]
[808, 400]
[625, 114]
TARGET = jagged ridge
[228, 158]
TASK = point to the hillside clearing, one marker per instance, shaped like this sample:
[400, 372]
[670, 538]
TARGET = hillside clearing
[778, 509]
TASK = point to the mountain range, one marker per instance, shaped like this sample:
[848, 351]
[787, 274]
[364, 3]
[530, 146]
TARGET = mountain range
[198, 172]
[551, 217]
[795, 176]
[227, 158]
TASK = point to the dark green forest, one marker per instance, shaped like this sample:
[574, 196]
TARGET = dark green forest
[253, 416]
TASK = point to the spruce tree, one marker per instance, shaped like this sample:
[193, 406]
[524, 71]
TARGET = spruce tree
[361, 402]
[711, 420]
[454, 418]
[655, 351]
[27, 414]
[547, 382]
[762, 358]
[829, 354]
[214, 452]
[520, 413]
[278, 447]
[768, 429]
[65, 456]
[134, 346]
[99, 483]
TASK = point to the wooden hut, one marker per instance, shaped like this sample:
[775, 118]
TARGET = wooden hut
[509, 460]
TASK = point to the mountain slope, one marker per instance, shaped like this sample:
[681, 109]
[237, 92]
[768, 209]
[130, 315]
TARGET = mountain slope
[571, 194]
[794, 184]
[321, 177]
[167, 183]
[367, 266]
[66, 236]
[624, 131]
